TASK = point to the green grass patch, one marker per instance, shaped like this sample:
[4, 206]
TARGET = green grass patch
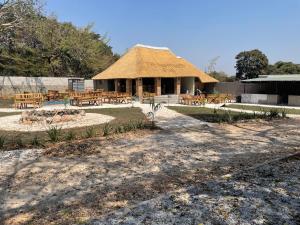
[222, 116]
[126, 119]
[7, 103]
[262, 109]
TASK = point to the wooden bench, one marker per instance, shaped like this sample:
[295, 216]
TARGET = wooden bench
[147, 96]
[79, 98]
[33, 99]
[192, 99]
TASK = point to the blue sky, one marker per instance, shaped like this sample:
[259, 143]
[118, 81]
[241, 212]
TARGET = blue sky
[197, 30]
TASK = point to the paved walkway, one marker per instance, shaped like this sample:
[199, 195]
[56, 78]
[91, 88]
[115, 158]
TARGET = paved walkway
[169, 119]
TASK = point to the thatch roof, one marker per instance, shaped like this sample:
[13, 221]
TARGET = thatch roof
[146, 61]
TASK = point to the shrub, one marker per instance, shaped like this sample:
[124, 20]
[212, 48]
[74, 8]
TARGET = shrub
[283, 113]
[70, 136]
[119, 129]
[35, 141]
[106, 129]
[273, 113]
[19, 142]
[2, 141]
[54, 133]
[90, 132]
[140, 124]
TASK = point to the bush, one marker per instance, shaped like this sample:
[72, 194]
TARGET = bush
[54, 133]
[119, 129]
[70, 136]
[283, 113]
[35, 141]
[19, 142]
[273, 113]
[106, 129]
[90, 132]
[2, 141]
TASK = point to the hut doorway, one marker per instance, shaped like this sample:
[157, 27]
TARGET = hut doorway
[148, 85]
[111, 85]
[133, 86]
[122, 85]
[167, 86]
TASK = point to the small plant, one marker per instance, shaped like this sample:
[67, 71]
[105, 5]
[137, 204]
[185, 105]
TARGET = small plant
[19, 142]
[154, 108]
[66, 101]
[90, 132]
[70, 136]
[283, 113]
[215, 111]
[35, 141]
[2, 141]
[119, 129]
[106, 129]
[140, 124]
[273, 113]
[228, 117]
[54, 133]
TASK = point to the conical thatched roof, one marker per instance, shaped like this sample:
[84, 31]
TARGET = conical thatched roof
[146, 61]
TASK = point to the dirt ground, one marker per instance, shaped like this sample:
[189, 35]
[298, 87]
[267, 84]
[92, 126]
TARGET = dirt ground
[79, 182]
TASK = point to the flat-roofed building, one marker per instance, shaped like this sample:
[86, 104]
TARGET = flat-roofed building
[273, 89]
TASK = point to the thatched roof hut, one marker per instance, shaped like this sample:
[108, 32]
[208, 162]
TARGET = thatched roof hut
[143, 61]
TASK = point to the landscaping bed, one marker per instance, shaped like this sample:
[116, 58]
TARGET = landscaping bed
[126, 119]
[262, 108]
[219, 115]
[84, 181]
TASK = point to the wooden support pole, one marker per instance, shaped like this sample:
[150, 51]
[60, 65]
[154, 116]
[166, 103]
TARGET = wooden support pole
[158, 86]
[139, 85]
[116, 85]
[177, 85]
[129, 86]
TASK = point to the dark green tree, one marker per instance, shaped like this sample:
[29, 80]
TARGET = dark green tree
[32, 44]
[222, 76]
[284, 68]
[250, 64]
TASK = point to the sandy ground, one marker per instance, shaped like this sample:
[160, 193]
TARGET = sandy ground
[11, 123]
[86, 181]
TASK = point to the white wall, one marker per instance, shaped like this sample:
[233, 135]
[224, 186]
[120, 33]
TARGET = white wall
[294, 100]
[187, 83]
[260, 99]
[10, 85]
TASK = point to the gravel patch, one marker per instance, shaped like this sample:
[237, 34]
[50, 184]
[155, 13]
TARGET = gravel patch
[267, 194]
[12, 123]
[196, 165]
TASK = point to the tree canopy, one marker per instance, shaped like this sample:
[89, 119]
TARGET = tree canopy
[222, 76]
[33, 44]
[250, 64]
[284, 68]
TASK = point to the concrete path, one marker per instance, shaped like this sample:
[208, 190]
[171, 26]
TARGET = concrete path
[169, 119]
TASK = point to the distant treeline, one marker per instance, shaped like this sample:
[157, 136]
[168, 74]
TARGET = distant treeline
[32, 44]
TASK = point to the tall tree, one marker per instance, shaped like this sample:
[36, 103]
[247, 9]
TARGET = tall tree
[284, 68]
[36, 45]
[222, 76]
[250, 64]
